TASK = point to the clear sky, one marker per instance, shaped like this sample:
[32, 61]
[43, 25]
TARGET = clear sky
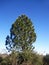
[36, 10]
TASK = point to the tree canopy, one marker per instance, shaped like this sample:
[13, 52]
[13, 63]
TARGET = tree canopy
[22, 34]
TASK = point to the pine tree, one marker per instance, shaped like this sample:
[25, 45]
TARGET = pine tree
[22, 34]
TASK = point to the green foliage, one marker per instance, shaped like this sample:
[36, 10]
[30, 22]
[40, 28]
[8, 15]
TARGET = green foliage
[6, 61]
[13, 57]
[29, 57]
[21, 39]
[46, 60]
[1, 59]
[22, 34]
[3, 63]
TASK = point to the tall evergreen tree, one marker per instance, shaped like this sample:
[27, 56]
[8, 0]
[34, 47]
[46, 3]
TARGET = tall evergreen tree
[22, 34]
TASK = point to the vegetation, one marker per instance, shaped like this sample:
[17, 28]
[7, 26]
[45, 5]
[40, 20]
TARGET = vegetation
[5, 61]
[1, 59]
[46, 59]
[20, 43]
[22, 36]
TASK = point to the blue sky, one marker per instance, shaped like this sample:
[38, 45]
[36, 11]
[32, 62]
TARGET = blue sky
[36, 10]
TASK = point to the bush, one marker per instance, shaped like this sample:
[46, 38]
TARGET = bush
[1, 59]
[28, 57]
[46, 60]
[3, 63]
